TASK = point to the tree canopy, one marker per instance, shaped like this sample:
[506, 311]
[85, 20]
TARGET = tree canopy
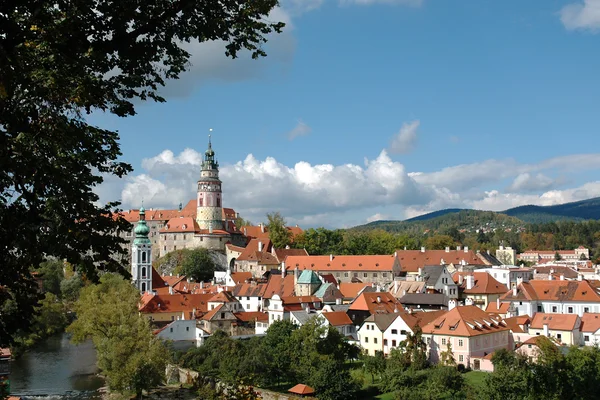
[61, 60]
[278, 233]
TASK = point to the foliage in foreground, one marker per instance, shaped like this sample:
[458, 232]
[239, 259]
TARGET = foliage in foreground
[129, 355]
[311, 354]
[62, 60]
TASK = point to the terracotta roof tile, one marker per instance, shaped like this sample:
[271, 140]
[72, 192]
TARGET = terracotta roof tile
[210, 314]
[241, 277]
[280, 286]
[590, 322]
[185, 303]
[251, 316]
[223, 297]
[340, 263]
[376, 302]
[252, 247]
[337, 318]
[250, 289]
[351, 290]
[282, 254]
[302, 390]
[484, 283]
[559, 322]
[465, 321]
[412, 260]
[555, 290]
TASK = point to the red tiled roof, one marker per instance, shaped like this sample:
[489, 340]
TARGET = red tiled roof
[232, 247]
[368, 301]
[412, 260]
[250, 316]
[337, 318]
[590, 322]
[287, 300]
[492, 307]
[515, 323]
[302, 390]
[556, 290]
[559, 322]
[240, 277]
[281, 286]
[282, 254]
[250, 289]
[340, 263]
[185, 303]
[557, 270]
[5, 352]
[223, 297]
[252, 247]
[229, 213]
[484, 283]
[176, 225]
[465, 321]
[172, 280]
[209, 315]
[351, 290]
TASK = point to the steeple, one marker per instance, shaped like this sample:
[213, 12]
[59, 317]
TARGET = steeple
[142, 230]
[209, 157]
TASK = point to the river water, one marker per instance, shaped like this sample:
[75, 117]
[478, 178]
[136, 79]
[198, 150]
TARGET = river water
[56, 369]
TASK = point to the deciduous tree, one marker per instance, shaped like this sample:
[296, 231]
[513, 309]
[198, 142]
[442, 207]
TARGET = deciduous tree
[278, 233]
[61, 59]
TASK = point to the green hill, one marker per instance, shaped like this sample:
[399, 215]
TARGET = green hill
[475, 219]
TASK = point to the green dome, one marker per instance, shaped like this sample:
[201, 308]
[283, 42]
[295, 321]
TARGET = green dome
[141, 229]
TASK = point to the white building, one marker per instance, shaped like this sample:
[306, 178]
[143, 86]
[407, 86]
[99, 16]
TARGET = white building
[509, 274]
[183, 334]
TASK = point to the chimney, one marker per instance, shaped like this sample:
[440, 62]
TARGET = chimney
[283, 271]
[498, 303]
[396, 309]
[546, 330]
[338, 301]
[260, 246]
[420, 278]
[395, 286]
[194, 313]
[562, 277]
[307, 309]
[466, 249]
[457, 248]
[470, 281]
[579, 277]
[170, 289]
[396, 253]
[514, 289]
[519, 280]
[404, 248]
[501, 247]
[403, 292]
[550, 277]
[245, 231]
[296, 272]
[262, 227]
[447, 249]
[379, 299]
[460, 279]
[237, 215]
[287, 246]
[422, 249]
[331, 257]
[210, 227]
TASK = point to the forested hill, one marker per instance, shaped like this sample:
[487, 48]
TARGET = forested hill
[474, 219]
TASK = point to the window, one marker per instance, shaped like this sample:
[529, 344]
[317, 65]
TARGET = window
[247, 297]
[337, 274]
[184, 236]
[174, 247]
[586, 338]
[460, 342]
[218, 202]
[172, 318]
[586, 309]
[558, 336]
[537, 334]
[187, 328]
[366, 340]
[385, 274]
[356, 274]
[539, 308]
[143, 256]
[570, 310]
[248, 306]
[375, 340]
[171, 330]
[143, 286]
[385, 342]
[403, 332]
[143, 272]
[554, 309]
[222, 315]
[165, 248]
[374, 274]
[345, 274]
[393, 343]
[460, 358]
[443, 341]
[394, 331]
[528, 346]
[365, 275]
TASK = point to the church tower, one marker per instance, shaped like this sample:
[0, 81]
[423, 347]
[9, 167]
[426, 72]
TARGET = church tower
[141, 256]
[209, 213]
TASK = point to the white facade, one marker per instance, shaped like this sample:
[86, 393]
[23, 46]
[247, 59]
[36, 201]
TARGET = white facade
[141, 266]
[526, 307]
[395, 334]
[184, 332]
[276, 311]
[509, 274]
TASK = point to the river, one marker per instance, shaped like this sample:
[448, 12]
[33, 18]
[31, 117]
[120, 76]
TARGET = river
[56, 369]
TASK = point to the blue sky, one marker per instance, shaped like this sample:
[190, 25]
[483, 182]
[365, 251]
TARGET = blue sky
[368, 109]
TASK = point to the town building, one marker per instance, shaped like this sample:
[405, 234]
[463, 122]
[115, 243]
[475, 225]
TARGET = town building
[538, 256]
[411, 260]
[141, 256]
[471, 332]
[553, 297]
[509, 274]
[506, 255]
[378, 269]
[438, 280]
[565, 328]
[480, 287]
[590, 329]
[369, 303]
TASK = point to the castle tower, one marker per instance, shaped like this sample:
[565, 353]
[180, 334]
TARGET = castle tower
[141, 256]
[209, 213]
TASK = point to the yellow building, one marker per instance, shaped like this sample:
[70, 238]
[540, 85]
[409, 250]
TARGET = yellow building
[565, 328]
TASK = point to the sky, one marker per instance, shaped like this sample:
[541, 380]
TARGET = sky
[380, 109]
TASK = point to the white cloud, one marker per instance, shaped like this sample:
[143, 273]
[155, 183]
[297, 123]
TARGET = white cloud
[349, 194]
[527, 182]
[301, 129]
[405, 140]
[581, 15]
[378, 217]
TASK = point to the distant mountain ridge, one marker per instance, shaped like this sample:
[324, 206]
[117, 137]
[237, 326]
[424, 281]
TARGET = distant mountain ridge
[517, 216]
